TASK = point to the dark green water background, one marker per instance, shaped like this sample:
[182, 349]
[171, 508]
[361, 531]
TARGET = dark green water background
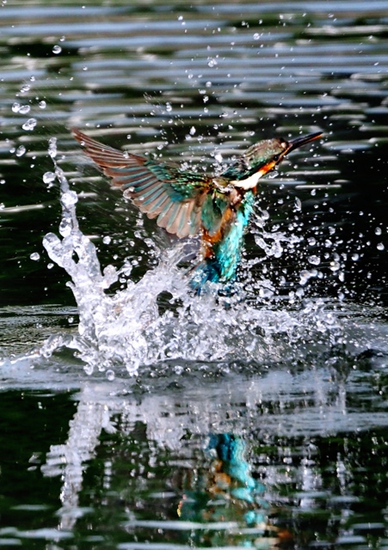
[87, 463]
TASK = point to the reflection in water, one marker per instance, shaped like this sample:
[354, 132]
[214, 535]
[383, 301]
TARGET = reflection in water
[162, 477]
[226, 495]
[68, 460]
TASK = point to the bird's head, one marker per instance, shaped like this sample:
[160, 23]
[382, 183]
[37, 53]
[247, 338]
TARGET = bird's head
[261, 158]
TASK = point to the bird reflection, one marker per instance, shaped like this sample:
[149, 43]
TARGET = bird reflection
[227, 496]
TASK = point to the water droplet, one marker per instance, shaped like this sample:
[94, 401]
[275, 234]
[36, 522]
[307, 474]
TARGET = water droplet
[212, 62]
[30, 124]
[306, 274]
[380, 246]
[52, 149]
[69, 199]
[48, 178]
[314, 260]
[24, 109]
[110, 375]
[107, 239]
[378, 231]
[65, 227]
[24, 89]
[16, 107]
[35, 256]
[272, 175]
[57, 49]
[20, 151]
[168, 107]
[355, 257]
[256, 36]
[42, 104]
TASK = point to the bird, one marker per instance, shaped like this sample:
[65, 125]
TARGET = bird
[187, 203]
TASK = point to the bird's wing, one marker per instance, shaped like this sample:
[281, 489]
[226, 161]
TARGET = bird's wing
[159, 190]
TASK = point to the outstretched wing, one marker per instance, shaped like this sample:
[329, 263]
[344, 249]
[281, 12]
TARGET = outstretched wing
[159, 190]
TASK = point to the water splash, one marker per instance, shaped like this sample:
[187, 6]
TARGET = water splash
[127, 329]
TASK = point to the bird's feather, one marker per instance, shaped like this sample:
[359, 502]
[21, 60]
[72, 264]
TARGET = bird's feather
[160, 190]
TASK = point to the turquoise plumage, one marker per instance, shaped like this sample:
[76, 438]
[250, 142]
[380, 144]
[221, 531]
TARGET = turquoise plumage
[186, 204]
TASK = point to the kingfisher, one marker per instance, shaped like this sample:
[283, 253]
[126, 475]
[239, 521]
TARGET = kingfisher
[187, 204]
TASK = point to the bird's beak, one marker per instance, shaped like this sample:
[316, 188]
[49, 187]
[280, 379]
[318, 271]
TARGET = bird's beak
[302, 140]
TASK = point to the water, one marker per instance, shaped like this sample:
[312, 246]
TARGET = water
[134, 414]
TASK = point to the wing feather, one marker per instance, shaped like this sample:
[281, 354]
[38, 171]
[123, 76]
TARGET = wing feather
[159, 190]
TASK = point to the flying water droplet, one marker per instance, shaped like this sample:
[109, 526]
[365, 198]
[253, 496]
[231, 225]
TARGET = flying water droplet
[65, 228]
[49, 178]
[24, 109]
[35, 256]
[20, 151]
[25, 88]
[30, 124]
[69, 199]
[314, 260]
[52, 149]
[272, 175]
[56, 49]
[307, 274]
